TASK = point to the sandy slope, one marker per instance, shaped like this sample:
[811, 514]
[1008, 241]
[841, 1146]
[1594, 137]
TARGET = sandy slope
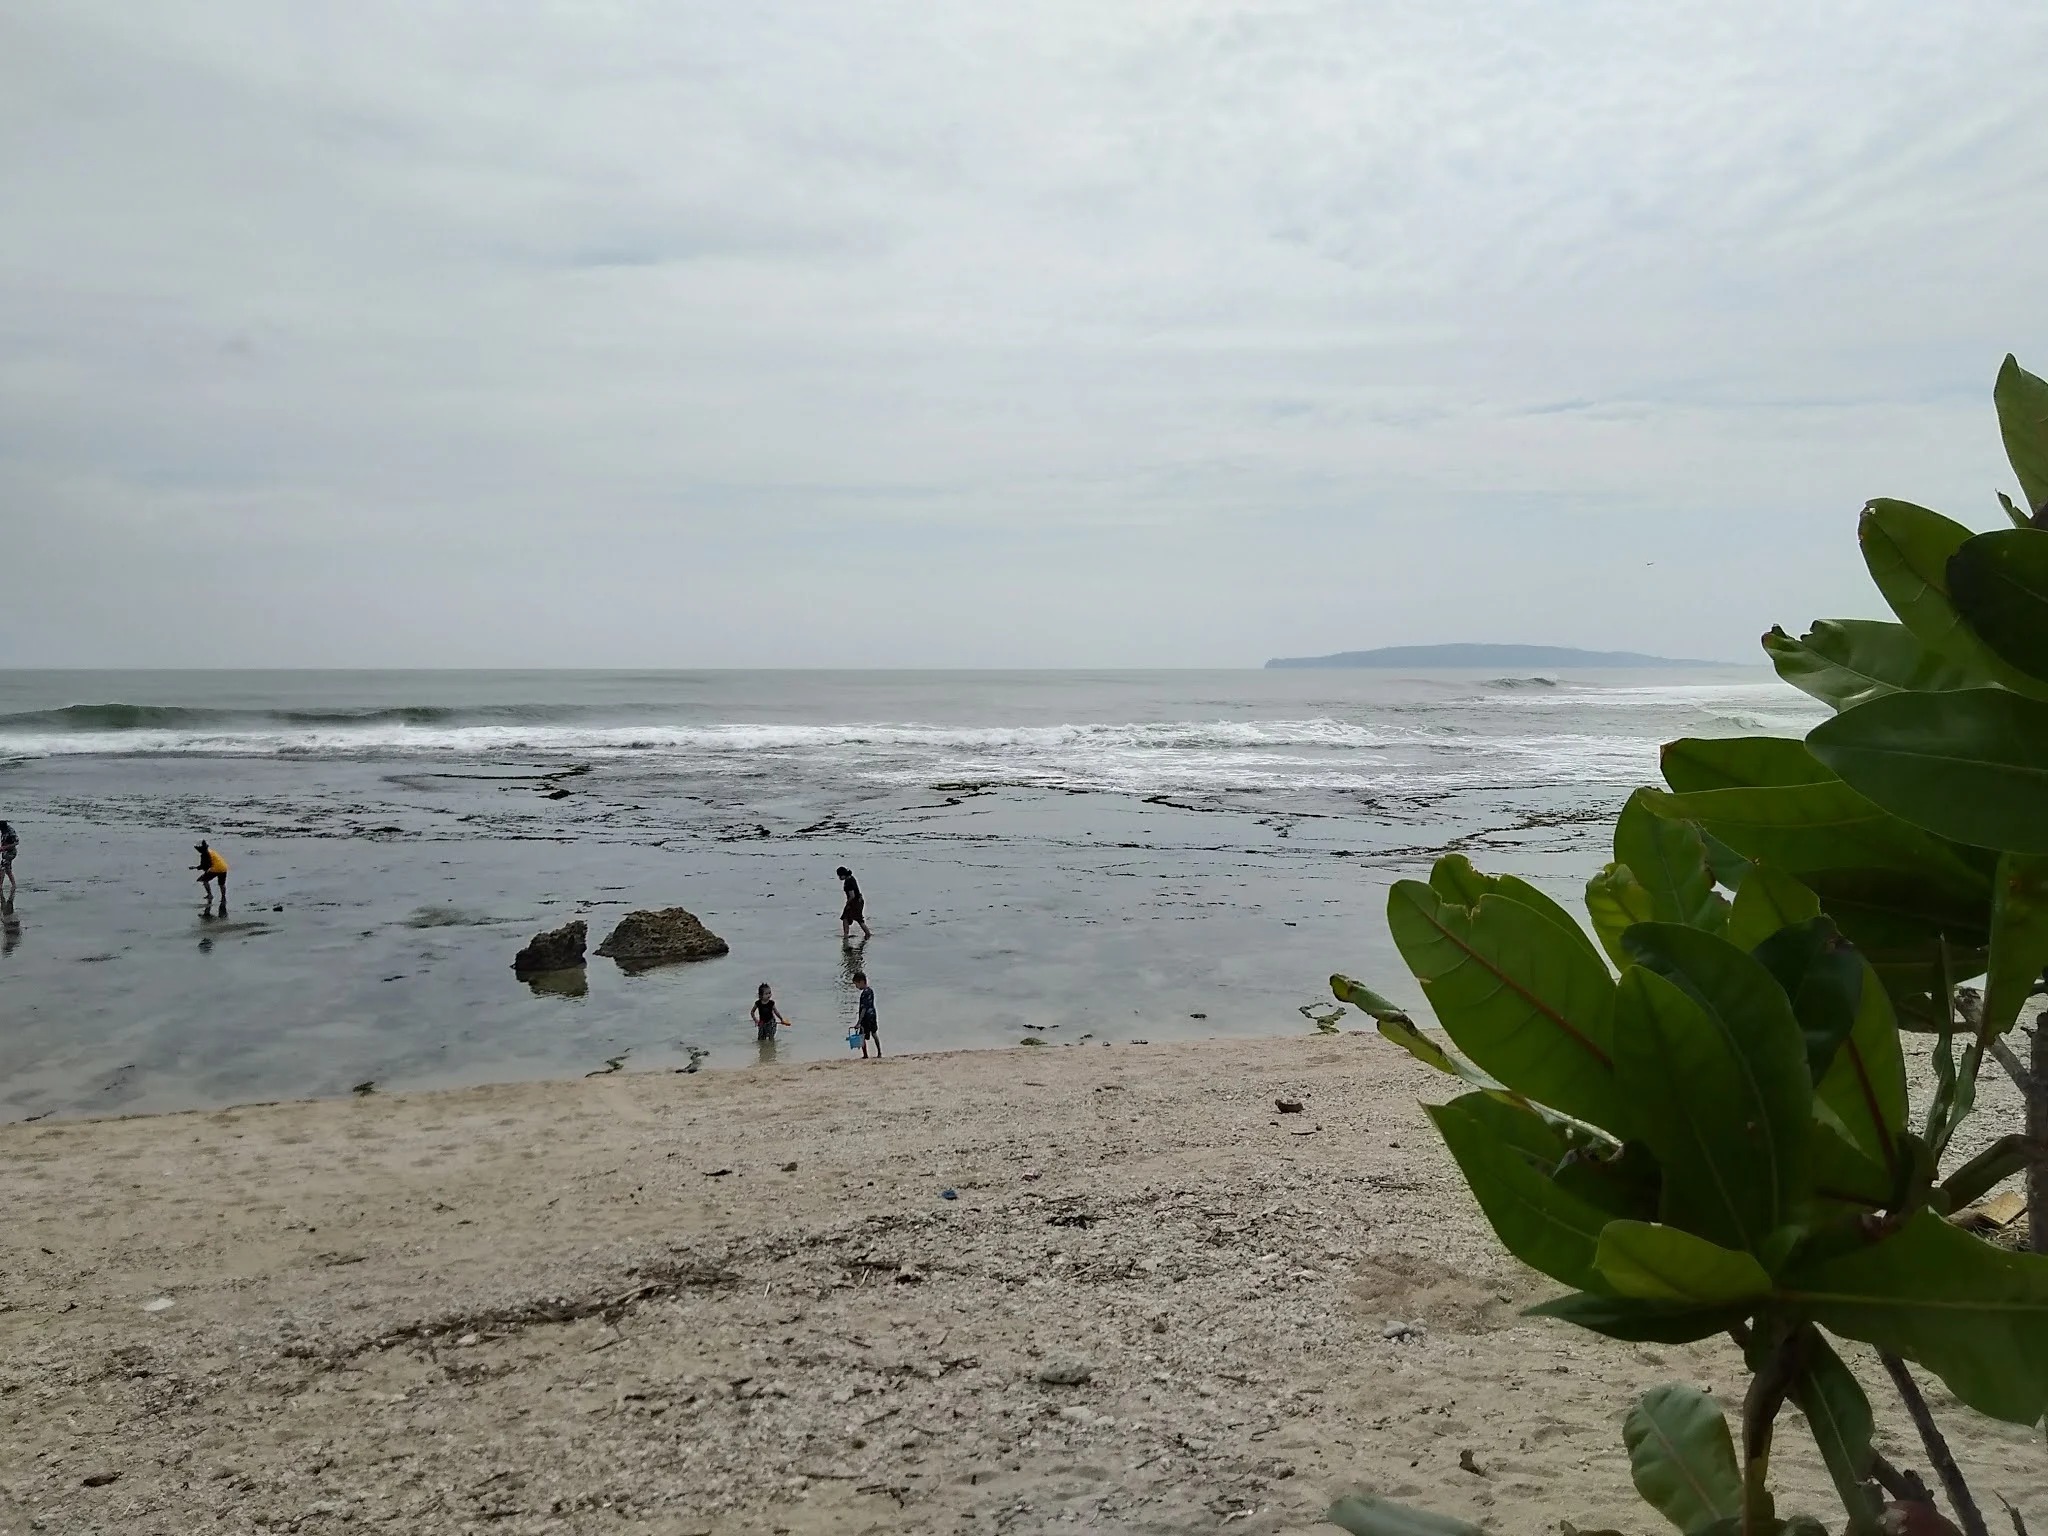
[542, 1307]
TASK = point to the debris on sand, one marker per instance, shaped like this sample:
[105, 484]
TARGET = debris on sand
[1066, 1373]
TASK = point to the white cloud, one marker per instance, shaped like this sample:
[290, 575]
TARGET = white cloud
[1057, 332]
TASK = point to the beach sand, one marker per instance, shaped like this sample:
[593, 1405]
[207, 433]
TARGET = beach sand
[738, 1301]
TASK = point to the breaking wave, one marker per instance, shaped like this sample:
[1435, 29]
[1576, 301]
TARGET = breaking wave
[1519, 731]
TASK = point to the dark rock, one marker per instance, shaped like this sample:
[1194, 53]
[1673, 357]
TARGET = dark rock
[558, 950]
[645, 939]
[1066, 1373]
[1288, 1106]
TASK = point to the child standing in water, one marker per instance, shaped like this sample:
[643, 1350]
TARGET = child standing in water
[856, 908]
[766, 1015]
[870, 1028]
[10, 845]
[213, 867]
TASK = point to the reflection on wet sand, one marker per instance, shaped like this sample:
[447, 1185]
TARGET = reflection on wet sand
[852, 961]
[574, 982]
[10, 928]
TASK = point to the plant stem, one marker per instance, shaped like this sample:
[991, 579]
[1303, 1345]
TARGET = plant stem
[2014, 1067]
[2037, 1143]
[1938, 1452]
[1768, 1389]
[1905, 1485]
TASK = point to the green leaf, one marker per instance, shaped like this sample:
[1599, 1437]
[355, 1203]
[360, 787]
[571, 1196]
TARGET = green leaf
[1970, 765]
[1943, 1110]
[1729, 867]
[1514, 888]
[1863, 1095]
[2019, 518]
[1669, 858]
[1900, 923]
[1695, 763]
[1893, 890]
[1683, 1458]
[1974, 1315]
[1844, 662]
[2019, 939]
[1838, 1415]
[1822, 974]
[1616, 901]
[1367, 1514]
[1999, 584]
[1455, 880]
[1847, 1181]
[1621, 1181]
[1368, 1002]
[1520, 999]
[1769, 900]
[1653, 1262]
[1804, 828]
[1502, 1150]
[1395, 1025]
[1407, 1035]
[1639, 1322]
[1512, 1126]
[2022, 401]
[1907, 550]
[1712, 1060]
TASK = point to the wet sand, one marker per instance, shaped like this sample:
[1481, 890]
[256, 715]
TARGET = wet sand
[377, 907]
[739, 1302]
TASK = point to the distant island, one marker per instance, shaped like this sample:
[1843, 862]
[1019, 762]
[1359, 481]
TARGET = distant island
[1486, 656]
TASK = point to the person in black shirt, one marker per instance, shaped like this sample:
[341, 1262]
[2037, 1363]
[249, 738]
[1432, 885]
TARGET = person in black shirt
[766, 1015]
[10, 845]
[856, 908]
[870, 1029]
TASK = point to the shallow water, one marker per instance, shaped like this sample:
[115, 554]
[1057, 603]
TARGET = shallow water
[1064, 857]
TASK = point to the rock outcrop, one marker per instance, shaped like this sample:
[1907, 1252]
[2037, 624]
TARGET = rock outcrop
[559, 949]
[645, 939]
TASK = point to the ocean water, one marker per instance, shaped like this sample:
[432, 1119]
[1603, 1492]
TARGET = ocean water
[1071, 858]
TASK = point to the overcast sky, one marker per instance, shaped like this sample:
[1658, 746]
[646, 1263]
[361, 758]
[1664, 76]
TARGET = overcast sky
[1054, 332]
